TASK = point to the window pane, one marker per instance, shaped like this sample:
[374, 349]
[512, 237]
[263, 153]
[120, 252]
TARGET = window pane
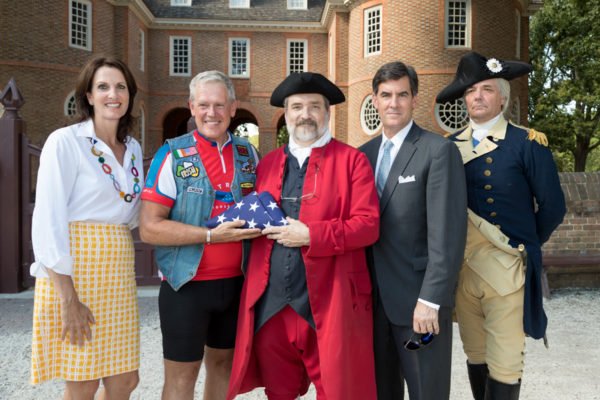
[79, 24]
[373, 31]
[239, 57]
[296, 56]
[457, 24]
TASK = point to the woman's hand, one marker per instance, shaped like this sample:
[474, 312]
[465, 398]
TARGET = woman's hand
[76, 318]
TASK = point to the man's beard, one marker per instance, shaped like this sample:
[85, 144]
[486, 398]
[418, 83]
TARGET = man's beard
[305, 135]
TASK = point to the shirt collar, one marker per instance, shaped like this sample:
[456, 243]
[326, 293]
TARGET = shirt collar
[203, 139]
[86, 129]
[481, 130]
[399, 137]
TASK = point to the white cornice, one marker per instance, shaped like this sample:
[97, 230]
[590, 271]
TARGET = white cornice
[239, 25]
[331, 7]
[138, 8]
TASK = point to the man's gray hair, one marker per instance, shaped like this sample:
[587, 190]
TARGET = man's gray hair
[212, 76]
[504, 89]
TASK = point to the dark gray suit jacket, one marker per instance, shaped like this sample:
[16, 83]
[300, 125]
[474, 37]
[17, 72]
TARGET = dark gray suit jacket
[423, 225]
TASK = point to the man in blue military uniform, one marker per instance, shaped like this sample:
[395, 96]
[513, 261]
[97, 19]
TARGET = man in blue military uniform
[515, 202]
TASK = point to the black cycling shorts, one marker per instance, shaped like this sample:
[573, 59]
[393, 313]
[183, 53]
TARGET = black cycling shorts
[199, 313]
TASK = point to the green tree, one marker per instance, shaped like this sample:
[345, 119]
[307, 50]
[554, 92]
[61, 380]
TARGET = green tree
[283, 136]
[564, 95]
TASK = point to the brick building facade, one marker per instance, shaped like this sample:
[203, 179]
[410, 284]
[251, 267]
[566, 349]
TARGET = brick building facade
[44, 44]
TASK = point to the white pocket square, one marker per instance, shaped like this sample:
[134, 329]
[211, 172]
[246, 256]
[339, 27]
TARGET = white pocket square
[402, 179]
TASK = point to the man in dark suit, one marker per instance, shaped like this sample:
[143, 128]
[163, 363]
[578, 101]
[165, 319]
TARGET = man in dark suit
[416, 261]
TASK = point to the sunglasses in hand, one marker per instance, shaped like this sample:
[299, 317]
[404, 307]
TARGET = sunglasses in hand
[419, 340]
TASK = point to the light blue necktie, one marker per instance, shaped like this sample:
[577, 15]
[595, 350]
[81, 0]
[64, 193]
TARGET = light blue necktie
[384, 166]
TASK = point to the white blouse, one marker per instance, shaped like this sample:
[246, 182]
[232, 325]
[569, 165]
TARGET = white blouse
[72, 186]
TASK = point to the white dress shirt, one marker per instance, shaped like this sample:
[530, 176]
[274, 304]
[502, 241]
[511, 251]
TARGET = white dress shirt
[71, 186]
[396, 140]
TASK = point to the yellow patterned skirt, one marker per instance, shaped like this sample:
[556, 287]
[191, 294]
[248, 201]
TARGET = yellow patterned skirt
[104, 278]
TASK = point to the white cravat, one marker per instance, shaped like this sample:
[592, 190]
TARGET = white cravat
[481, 130]
[302, 152]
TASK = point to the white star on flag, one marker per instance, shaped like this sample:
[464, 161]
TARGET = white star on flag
[258, 210]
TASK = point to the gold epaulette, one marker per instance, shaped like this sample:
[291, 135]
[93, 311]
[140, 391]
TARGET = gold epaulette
[447, 134]
[538, 137]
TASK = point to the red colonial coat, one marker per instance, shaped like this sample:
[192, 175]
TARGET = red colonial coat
[343, 218]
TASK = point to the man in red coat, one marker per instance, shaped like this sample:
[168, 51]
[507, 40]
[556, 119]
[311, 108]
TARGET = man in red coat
[305, 313]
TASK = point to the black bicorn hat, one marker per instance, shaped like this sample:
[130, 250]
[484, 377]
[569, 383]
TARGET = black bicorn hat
[474, 67]
[306, 82]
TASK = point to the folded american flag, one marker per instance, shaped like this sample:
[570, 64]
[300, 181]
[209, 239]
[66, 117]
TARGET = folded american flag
[259, 210]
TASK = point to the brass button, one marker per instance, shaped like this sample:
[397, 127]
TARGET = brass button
[493, 214]
[489, 160]
[487, 172]
[487, 187]
[521, 247]
[490, 200]
[498, 226]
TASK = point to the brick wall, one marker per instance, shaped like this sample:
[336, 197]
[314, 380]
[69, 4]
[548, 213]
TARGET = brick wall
[580, 231]
[579, 234]
[34, 49]
[415, 35]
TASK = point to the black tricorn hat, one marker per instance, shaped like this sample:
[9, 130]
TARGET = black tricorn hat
[474, 68]
[306, 82]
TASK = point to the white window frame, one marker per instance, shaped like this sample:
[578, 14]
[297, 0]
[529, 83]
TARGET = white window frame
[332, 49]
[289, 55]
[293, 5]
[452, 110]
[368, 110]
[142, 49]
[467, 25]
[87, 26]
[70, 97]
[181, 3]
[172, 56]
[246, 74]
[368, 35]
[239, 3]
[518, 33]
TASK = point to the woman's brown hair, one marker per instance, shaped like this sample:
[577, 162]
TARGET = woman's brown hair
[84, 85]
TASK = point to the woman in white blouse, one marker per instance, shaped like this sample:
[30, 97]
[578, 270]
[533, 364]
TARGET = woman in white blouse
[89, 183]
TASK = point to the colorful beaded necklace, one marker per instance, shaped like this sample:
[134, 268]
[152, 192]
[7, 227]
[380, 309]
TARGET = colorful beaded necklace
[128, 197]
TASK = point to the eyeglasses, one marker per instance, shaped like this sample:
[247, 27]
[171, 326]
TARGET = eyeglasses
[418, 341]
[308, 195]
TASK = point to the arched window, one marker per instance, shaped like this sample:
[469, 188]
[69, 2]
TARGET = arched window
[452, 115]
[70, 107]
[369, 118]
